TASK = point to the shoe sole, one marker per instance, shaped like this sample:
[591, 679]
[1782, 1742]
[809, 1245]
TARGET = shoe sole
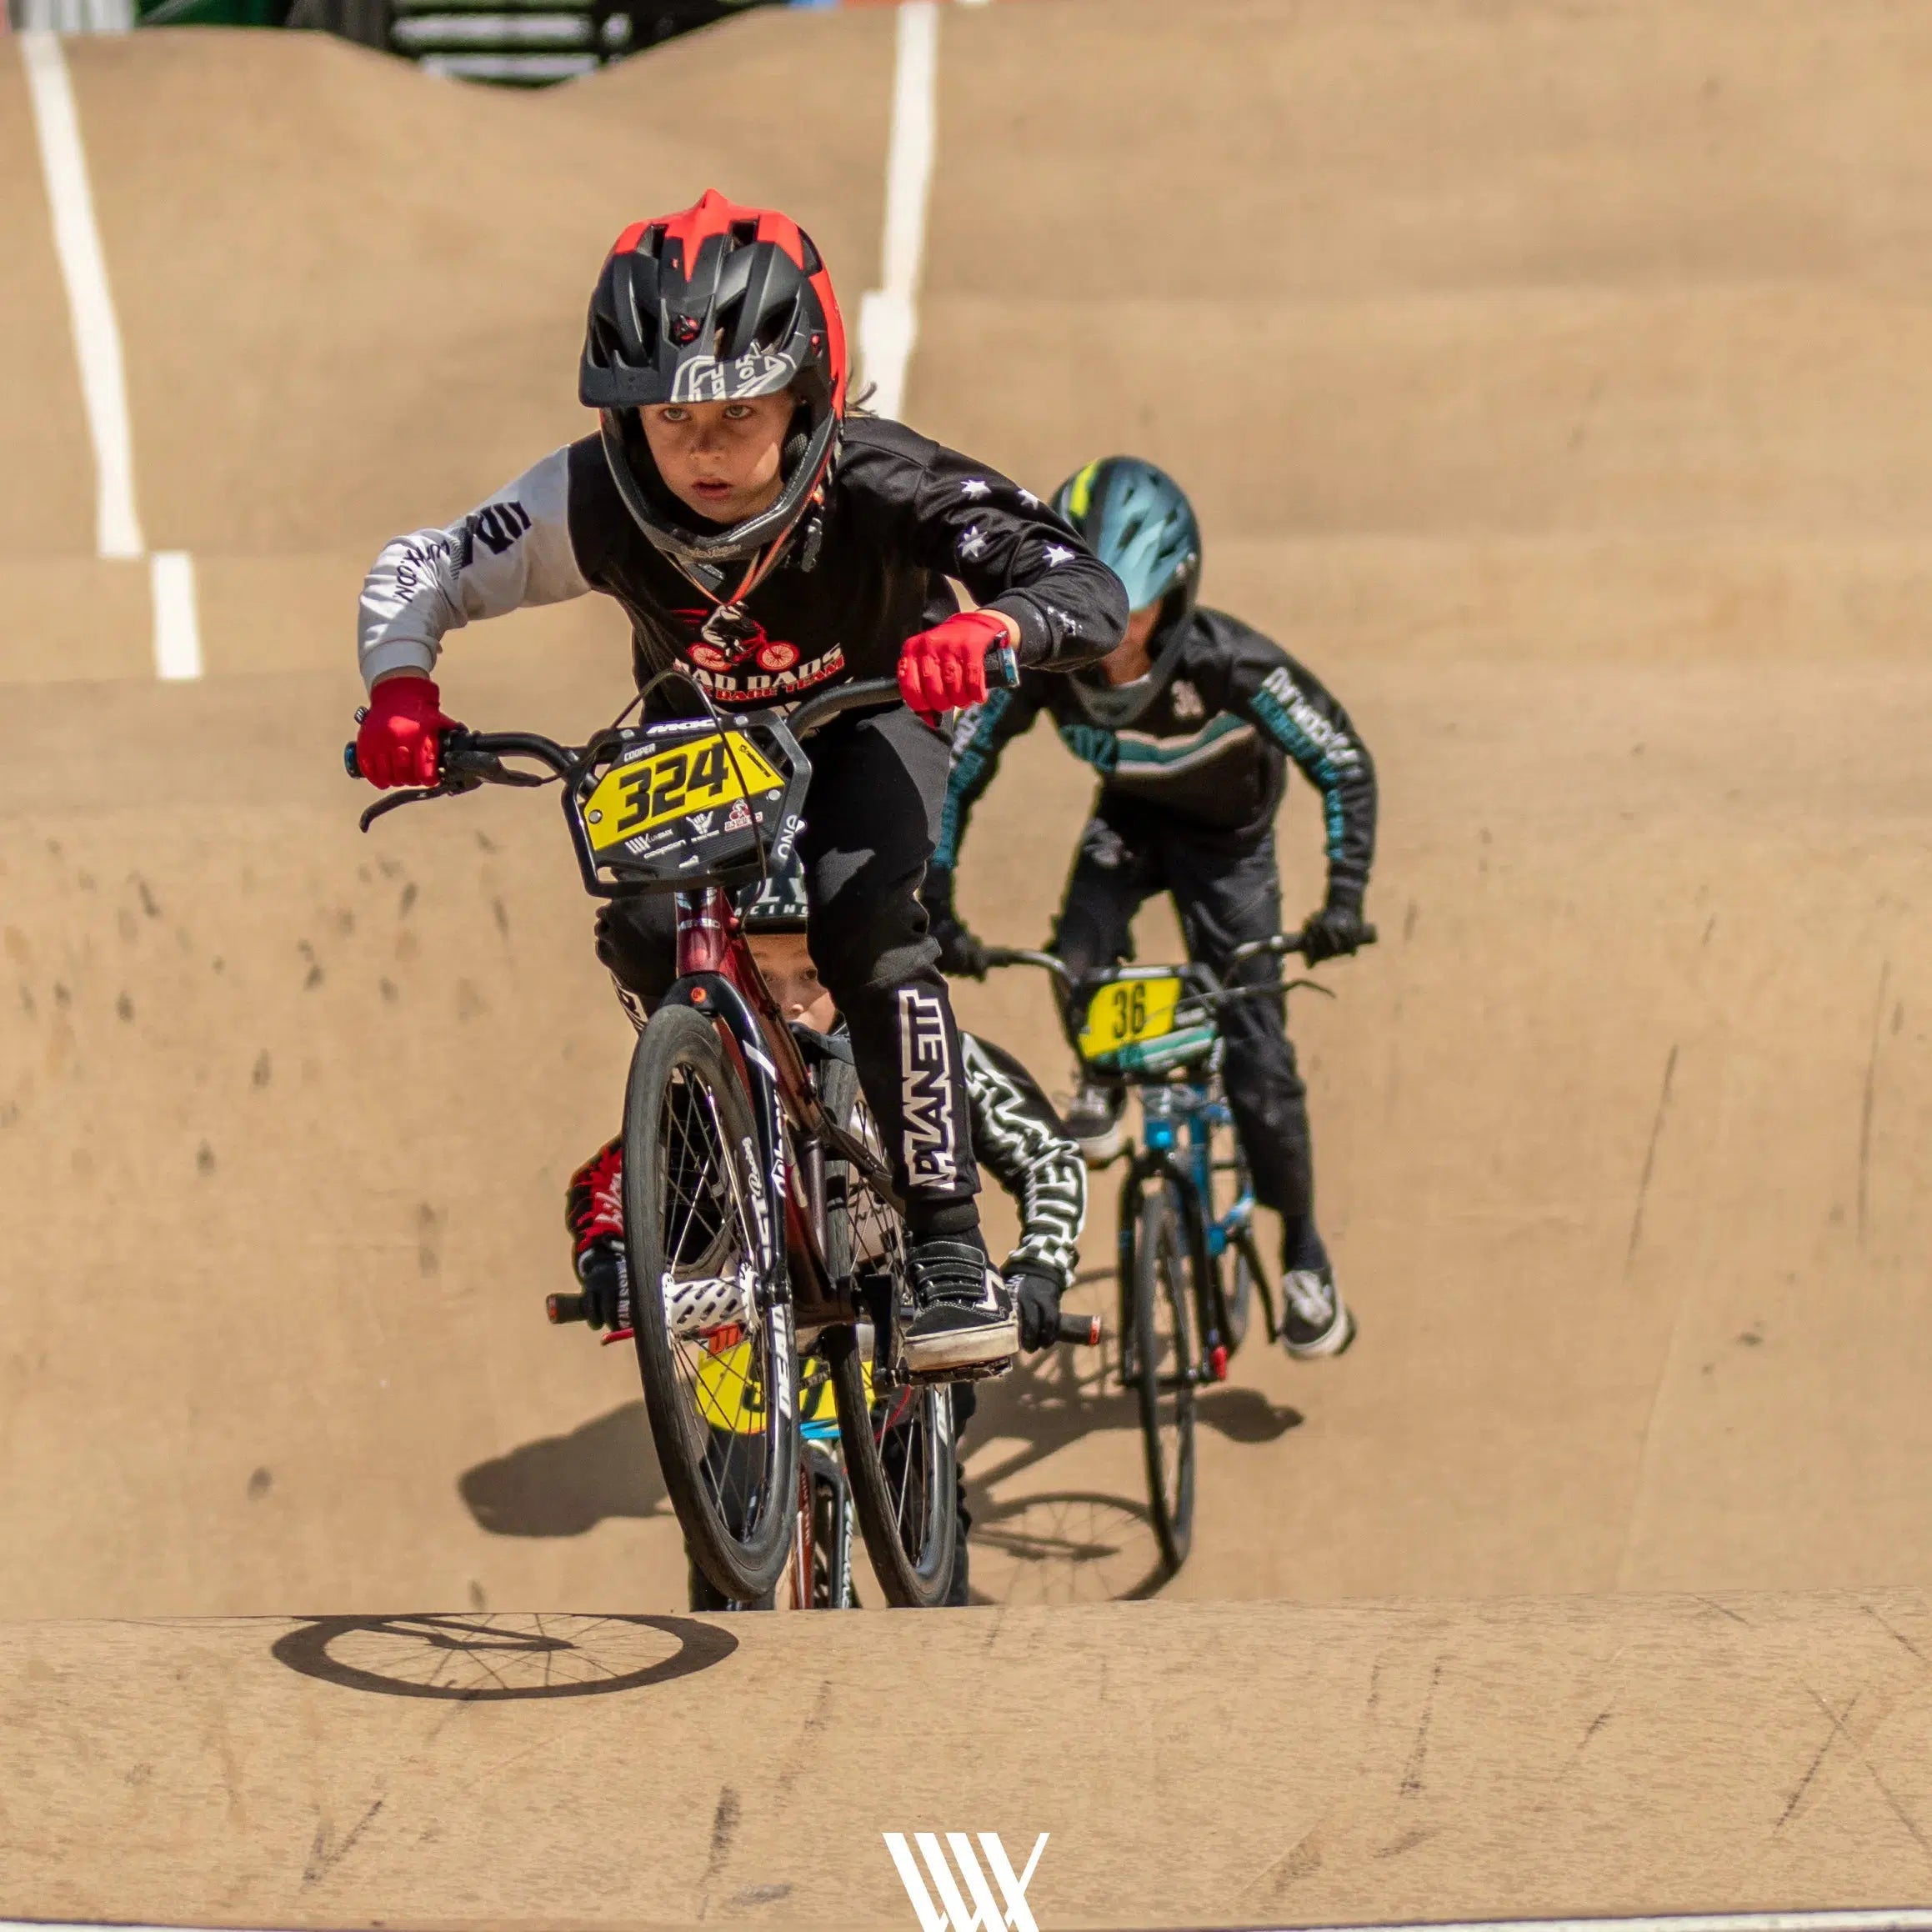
[964, 1349]
[1335, 1342]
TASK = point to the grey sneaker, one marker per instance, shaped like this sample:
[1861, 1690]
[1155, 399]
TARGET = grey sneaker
[962, 1318]
[1315, 1320]
[1093, 1122]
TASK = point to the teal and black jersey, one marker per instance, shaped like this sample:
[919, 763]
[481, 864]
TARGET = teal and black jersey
[1210, 751]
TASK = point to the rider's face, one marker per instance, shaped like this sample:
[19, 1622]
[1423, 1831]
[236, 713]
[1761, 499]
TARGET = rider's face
[785, 960]
[721, 459]
[1128, 659]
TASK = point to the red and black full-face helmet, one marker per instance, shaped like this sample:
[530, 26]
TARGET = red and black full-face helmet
[715, 304]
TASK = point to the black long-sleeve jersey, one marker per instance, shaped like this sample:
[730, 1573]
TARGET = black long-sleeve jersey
[1211, 750]
[902, 514]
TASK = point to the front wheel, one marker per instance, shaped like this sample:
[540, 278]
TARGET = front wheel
[713, 1330]
[1161, 1367]
[900, 1455]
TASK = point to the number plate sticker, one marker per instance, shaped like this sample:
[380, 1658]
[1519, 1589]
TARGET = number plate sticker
[732, 1402]
[1126, 1010]
[699, 774]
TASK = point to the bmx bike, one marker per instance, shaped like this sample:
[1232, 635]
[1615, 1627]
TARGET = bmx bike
[1189, 1267]
[760, 1218]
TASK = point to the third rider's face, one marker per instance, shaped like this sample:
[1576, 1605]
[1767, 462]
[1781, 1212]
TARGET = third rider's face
[785, 960]
[721, 459]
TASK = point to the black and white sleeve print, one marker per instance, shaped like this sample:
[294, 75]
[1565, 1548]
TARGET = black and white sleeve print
[510, 551]
[1017, 1135]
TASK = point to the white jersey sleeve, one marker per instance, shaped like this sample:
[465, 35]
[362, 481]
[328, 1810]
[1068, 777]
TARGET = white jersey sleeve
[512, 551]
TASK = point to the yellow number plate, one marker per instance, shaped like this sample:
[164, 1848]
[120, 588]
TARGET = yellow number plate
[730, 1401]
[698, 774]
[1129, 1010]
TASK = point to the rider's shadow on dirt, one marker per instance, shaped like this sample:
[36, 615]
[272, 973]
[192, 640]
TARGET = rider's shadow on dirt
[565, 1485]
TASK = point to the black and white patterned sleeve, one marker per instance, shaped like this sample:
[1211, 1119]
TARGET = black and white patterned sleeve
[1017, 1135]
[510, 551]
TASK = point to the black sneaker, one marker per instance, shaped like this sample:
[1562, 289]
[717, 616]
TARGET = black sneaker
[961, 1317]
[1093, 1122]
[1315, 1320]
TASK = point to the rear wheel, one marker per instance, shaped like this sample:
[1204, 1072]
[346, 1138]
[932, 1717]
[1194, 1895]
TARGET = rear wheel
[900, 1456]
[832, 1532]
[1162, 1366]
[714, 1334]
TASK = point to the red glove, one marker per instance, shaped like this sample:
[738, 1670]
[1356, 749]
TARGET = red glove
[397, 744]
[947, 665]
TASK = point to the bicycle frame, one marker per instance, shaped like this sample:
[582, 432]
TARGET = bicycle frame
[1178, 1117]
[719, 977]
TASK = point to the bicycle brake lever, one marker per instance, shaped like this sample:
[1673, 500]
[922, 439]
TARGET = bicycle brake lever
[476, 767]
[396, 800]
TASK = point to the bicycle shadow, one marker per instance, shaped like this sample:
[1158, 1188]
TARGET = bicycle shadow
[1099, 1541]
[565, 1485]
[495, 1657]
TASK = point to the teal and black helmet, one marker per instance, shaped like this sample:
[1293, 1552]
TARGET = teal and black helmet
[1137, 521]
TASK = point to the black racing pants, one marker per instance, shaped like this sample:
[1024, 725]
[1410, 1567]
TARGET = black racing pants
[1126, 856]
[872, 818]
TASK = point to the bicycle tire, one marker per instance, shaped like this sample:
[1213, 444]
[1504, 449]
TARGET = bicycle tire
[901, 1459]
[1244, 1263]
[1163, 1366]
[728, 1452]
[833, 1588]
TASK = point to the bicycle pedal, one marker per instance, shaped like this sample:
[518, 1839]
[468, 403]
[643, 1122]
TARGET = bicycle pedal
[976, 1371]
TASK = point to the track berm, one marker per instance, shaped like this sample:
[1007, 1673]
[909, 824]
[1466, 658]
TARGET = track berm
[1553, 379]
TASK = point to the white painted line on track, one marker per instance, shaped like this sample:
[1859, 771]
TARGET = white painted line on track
[177, 625]
[90, 307]
[888, 317]
[97, 333]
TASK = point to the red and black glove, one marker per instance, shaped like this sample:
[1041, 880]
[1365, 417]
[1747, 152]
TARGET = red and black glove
[398, 742]
[946, 666]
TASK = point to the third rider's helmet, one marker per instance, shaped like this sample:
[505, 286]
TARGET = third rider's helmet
[777, 903]
[1137, 521]
[715, 304]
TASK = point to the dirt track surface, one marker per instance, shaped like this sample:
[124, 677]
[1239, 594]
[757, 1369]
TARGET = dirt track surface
[1368, 1761]
[1569, 417]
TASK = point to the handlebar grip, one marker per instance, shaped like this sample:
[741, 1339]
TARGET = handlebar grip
[1002, 666]
[565, 1308]
[350, 762]
[1083, 1330]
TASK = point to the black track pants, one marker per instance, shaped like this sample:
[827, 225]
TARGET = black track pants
[1223, 900]
[872, 817]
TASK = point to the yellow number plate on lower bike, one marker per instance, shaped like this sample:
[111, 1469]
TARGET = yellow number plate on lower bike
[700, 774]
[729, 1401]
[1125, 1011]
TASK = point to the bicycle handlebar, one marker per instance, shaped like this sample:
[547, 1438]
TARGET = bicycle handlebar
[1279, 945]
[475, 757]
[1027, 956]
